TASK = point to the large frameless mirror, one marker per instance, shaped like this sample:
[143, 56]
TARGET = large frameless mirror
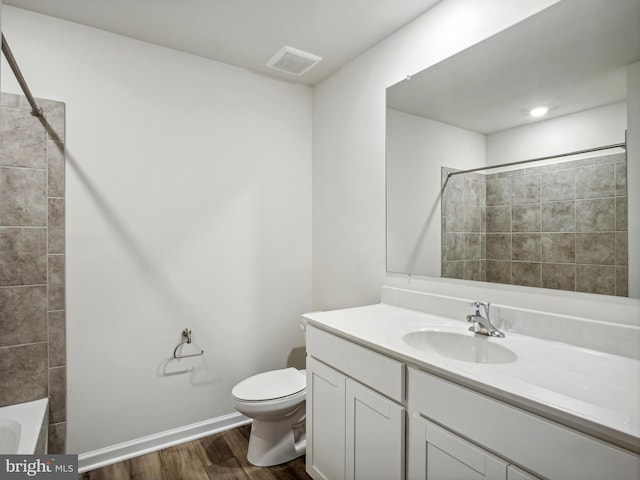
[480, 186]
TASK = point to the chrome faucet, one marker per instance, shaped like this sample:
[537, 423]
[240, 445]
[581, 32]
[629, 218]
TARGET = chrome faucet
[481, 323]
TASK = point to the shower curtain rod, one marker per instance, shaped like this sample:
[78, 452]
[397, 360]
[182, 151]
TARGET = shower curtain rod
[588, 150]
[36, 111]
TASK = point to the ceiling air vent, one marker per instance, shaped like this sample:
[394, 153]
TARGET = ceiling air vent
[293, 61]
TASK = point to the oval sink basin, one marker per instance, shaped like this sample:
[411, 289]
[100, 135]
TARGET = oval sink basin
[463, 347]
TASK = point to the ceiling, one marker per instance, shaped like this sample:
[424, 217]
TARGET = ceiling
[570, 57]
[246, 33]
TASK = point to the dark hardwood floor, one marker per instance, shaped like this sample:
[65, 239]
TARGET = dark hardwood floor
[221, 457]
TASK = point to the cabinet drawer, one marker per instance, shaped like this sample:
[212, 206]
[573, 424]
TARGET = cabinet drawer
[537, 444]
[373, 369]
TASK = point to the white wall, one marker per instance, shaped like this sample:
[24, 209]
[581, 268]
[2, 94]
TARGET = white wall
[188, 203]
[349, 142]
[588, 129]
[417, 148]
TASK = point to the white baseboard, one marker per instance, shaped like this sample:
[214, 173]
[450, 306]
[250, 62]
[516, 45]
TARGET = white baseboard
[153, 443]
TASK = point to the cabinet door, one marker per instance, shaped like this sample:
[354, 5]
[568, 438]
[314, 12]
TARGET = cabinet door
[325, 422]
[437, 454]
[374, 435]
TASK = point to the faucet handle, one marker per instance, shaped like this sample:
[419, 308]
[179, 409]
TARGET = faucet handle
[476, 305]
[476, 308]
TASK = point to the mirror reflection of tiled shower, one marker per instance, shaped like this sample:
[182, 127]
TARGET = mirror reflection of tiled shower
[560, 225]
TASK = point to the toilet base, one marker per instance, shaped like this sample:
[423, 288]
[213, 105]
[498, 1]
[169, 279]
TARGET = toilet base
[275, 442]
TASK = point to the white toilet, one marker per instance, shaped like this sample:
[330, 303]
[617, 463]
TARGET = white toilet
[276, 402]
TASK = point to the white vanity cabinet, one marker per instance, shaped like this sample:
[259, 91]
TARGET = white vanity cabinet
[326, 425]
[358, 401]
[436, 454]
[455, 432]
[374, 434]
[355, 421]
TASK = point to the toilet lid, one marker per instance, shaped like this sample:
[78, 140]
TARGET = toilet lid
[270, 385]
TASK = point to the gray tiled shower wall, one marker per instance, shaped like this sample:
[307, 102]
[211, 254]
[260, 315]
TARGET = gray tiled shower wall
[561, 226]
[32, 249]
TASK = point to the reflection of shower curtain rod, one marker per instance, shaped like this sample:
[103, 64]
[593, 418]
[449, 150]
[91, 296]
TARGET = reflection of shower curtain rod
[36, 111]
[588, 150]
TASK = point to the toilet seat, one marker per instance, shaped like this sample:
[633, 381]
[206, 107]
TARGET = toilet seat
[272, 385]
[276, 403]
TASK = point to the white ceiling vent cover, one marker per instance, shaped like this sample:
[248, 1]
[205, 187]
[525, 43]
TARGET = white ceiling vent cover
[293, 61]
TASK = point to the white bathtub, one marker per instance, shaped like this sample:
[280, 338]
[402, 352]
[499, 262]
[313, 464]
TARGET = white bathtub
[24, 428]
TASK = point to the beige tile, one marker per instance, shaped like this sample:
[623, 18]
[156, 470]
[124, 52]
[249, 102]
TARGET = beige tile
[498, 246]
[57, 394]
[526, 247]
[483, 270]
[23, 314]
[558, 216]
[56, 225]
[612, 158]
[454, 216]
[57, 436]
[23, 139]
[526, 274]
[23, 370]
[621, 214]
[454, 269]
[455, 246]
[473, 193]
[472, 217]
[24, 104]
[558, 247]
[525, 189]
[622, 282]
[55, 168]
[596, 279]
[498, 219]
[498, 192]
[57, 339]
[56, 282]
[596, 181]
[525, 218]
[9, 100]
[472, 246]
[453, 189]
[596, 215]
[622, 254]
[54, 113]
[23, 195]
[498, 271]
[23, 256]
[621, 179]
[560, 185]
[472, 270]
[595, 248]
[559, 276]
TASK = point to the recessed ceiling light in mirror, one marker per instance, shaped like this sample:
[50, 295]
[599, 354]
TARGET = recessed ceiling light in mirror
[538, 111]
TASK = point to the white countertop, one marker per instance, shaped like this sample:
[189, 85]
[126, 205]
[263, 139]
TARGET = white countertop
[594, 392]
